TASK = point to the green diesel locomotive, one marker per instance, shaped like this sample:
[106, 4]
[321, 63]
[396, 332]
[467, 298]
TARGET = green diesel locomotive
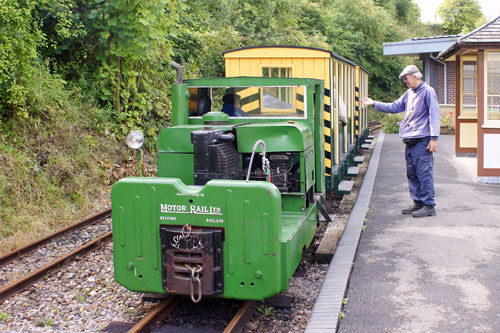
[237, 194]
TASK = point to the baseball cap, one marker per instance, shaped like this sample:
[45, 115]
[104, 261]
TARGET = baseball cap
[412, 69]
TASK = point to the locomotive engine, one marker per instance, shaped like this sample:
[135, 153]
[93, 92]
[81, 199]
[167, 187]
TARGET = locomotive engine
[235, 201]
[215, 157]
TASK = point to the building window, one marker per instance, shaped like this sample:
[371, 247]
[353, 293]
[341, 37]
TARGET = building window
[469, 84]
[493, 86]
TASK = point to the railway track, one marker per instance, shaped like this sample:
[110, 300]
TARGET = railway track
[29, 248]
[374, 126]
[26, 280]
[165, 308]
[146, 324]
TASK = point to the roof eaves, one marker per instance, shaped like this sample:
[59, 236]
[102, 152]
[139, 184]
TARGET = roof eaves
[448, 52]
[477, 30]
[463, 40]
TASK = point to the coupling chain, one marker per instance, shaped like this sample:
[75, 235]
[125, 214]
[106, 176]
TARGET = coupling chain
[195, 280]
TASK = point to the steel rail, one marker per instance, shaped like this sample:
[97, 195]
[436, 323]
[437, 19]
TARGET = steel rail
[9, 257]
[240, 319]
[166, 307]
[32, 278]
[159, 312]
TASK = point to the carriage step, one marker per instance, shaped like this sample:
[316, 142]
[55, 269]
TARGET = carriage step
[353, 171]
[370, 137]
[359, 159]
[365, 146]
[345, 187]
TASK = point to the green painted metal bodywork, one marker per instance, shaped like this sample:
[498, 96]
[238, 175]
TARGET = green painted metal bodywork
[262, 248]
[280, 137]
[265, 231]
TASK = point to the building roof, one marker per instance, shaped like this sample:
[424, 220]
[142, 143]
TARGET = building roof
[419, 45]
[489, 33]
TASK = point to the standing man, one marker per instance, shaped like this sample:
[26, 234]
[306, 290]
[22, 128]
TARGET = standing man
[419, 131]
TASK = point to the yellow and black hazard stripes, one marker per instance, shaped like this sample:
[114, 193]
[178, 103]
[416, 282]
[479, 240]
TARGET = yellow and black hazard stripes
[328, 133]
[299, 104]
[250, 99]
[356, 114]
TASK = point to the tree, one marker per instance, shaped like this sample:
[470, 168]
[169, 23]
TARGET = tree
[133, 54]
[460, 16]
[407, 11]
[19, 35]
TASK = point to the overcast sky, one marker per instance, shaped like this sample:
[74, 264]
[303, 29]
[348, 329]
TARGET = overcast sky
[428, 9]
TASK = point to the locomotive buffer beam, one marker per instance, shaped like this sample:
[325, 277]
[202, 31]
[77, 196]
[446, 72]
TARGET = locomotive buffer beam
[192, 260]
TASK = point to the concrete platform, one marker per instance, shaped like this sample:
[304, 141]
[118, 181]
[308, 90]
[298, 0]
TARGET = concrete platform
[434, 274]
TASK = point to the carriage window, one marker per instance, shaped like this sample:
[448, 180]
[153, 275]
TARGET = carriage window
[276, 72]
[255, 102]
[283, 94]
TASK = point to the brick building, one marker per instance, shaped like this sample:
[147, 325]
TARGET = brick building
[445, 95]
[465, 73]
[477, 106]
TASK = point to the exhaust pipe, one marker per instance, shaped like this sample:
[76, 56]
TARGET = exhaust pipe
[180, 71]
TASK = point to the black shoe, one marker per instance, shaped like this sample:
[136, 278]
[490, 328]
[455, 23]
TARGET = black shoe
[426, 210]
[416, 206]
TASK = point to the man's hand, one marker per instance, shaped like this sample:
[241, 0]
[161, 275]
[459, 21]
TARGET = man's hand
[367, 101]
[432, 146]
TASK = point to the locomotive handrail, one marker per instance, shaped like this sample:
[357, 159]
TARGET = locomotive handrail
[265, 161]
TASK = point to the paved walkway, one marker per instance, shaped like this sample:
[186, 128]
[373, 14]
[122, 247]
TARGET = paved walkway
[434, 274]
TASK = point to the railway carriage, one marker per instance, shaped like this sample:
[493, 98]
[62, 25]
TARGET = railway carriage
[237, 196]
[345, 83]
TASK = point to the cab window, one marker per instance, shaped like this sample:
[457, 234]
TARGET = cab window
[249, 102]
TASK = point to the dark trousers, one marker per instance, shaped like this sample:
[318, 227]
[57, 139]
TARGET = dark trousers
[419, 170]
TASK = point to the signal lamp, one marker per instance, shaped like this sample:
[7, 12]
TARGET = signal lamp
[134, 140]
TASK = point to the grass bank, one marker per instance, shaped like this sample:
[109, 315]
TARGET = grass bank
[57, 166]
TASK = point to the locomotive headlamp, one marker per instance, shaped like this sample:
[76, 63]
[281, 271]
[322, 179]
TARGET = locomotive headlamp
[134, 140]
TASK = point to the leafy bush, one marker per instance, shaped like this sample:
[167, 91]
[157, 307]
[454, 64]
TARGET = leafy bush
[54, 169]
[19, 35]
[390, 122]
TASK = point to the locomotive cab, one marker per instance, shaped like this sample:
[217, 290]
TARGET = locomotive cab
[235, 200]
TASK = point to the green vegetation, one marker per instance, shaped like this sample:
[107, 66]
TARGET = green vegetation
[460, 16]
[77, 75]
[265, 310]
[390, 122]
[55, 168]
